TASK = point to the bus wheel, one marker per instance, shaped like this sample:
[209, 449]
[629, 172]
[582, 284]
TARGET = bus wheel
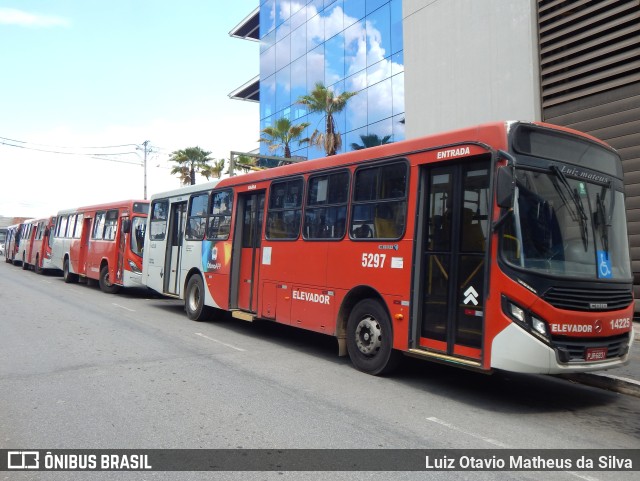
[66, 275]
[105, 283]
[194, 300]
[370, 338]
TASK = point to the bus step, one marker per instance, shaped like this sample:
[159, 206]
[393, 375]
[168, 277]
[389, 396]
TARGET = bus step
[245, 316]
[443, 358]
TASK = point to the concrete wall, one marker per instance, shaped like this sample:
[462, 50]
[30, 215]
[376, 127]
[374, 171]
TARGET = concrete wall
[469, 62]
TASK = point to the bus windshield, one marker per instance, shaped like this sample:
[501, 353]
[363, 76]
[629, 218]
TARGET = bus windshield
[566, 226]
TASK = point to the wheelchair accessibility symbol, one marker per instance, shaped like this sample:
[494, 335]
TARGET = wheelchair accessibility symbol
[604, 265]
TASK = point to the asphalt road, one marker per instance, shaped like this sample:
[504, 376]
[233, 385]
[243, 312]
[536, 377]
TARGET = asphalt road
[80, 369]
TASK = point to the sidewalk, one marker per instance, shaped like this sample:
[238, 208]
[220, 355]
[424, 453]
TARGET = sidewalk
[625, 380]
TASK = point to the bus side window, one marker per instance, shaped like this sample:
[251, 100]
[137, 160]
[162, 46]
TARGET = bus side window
[197, 219]
[326, 207]
[379, 202]
[285, 209]
[220, 215]
[159, 211]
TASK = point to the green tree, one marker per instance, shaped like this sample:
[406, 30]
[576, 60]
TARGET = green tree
[281, 134]
[193, 159]
[324, 100]
[370, 140]
[214, 170]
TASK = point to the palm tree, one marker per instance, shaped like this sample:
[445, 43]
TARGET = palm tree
[246, 163]
[213, 170]
[323, 99]
[282, 134]
[194, 159]
[182, 171]
[370, 140]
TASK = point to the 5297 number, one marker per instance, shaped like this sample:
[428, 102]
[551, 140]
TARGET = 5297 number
[375, 261]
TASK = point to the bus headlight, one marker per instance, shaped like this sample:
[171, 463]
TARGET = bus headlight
[539, 326]
[134, 268]
[517, 312]
[525, 319]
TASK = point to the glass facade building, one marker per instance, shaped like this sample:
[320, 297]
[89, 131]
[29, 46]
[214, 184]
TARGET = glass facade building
[348, 45]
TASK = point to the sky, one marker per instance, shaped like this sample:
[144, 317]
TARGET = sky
[89, 78]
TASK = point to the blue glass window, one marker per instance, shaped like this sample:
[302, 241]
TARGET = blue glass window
[298, 42]
[283, 88]
[398, 127]
[378, 35]
[315, 32]
[315, 67]
[333, 20]
[267, 18]
[396, 26]
[268, 62]
[334, 60]
[267, 96]
[283, 53]
[397, 86]
[374, 5]
[355, 47]
[380, 101]
[354, 10]
[298, 82]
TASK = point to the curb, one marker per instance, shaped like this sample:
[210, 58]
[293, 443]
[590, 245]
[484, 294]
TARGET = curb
[622, 385]
[610, 382]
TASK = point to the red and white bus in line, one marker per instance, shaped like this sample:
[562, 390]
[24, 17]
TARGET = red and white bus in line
[36, 245]
[13, 243]
[102, 242]
[501, 246]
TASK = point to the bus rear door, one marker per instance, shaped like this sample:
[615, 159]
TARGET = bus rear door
[246, 252]
[175, 240]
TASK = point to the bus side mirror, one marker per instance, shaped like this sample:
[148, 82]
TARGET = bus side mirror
[505, 187]
[126, 226]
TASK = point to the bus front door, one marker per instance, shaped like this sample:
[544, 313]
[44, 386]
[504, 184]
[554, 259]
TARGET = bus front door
[454, 213]
[177, 222]
[246, 248]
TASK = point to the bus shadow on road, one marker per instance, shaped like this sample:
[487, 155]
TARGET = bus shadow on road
[500, 391]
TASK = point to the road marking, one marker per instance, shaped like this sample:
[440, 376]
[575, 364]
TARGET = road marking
[122, 307]
[496, 443]
[220, 342]
[469, 433]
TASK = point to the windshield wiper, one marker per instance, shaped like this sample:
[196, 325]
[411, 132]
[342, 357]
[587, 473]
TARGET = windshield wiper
[602, 222]
[577, 201]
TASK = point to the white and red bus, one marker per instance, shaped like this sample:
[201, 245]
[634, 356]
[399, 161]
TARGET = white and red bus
[15, 242]
[102, 242]
[501, 246]
[37, 244]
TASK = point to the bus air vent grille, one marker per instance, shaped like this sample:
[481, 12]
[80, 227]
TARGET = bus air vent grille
[574, 299]
[575, 348]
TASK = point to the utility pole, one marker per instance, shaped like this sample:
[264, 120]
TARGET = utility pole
[146, 151]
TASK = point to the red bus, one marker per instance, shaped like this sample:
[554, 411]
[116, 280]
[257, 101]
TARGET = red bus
[37, 245]
[501, 246]
[14, 242]
[102, 242]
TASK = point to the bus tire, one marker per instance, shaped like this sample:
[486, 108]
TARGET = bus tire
[370, 338]
[194, 300]
[105, 282]
[66, 275]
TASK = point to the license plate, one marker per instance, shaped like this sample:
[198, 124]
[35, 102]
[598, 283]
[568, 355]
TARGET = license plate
[595, 354]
